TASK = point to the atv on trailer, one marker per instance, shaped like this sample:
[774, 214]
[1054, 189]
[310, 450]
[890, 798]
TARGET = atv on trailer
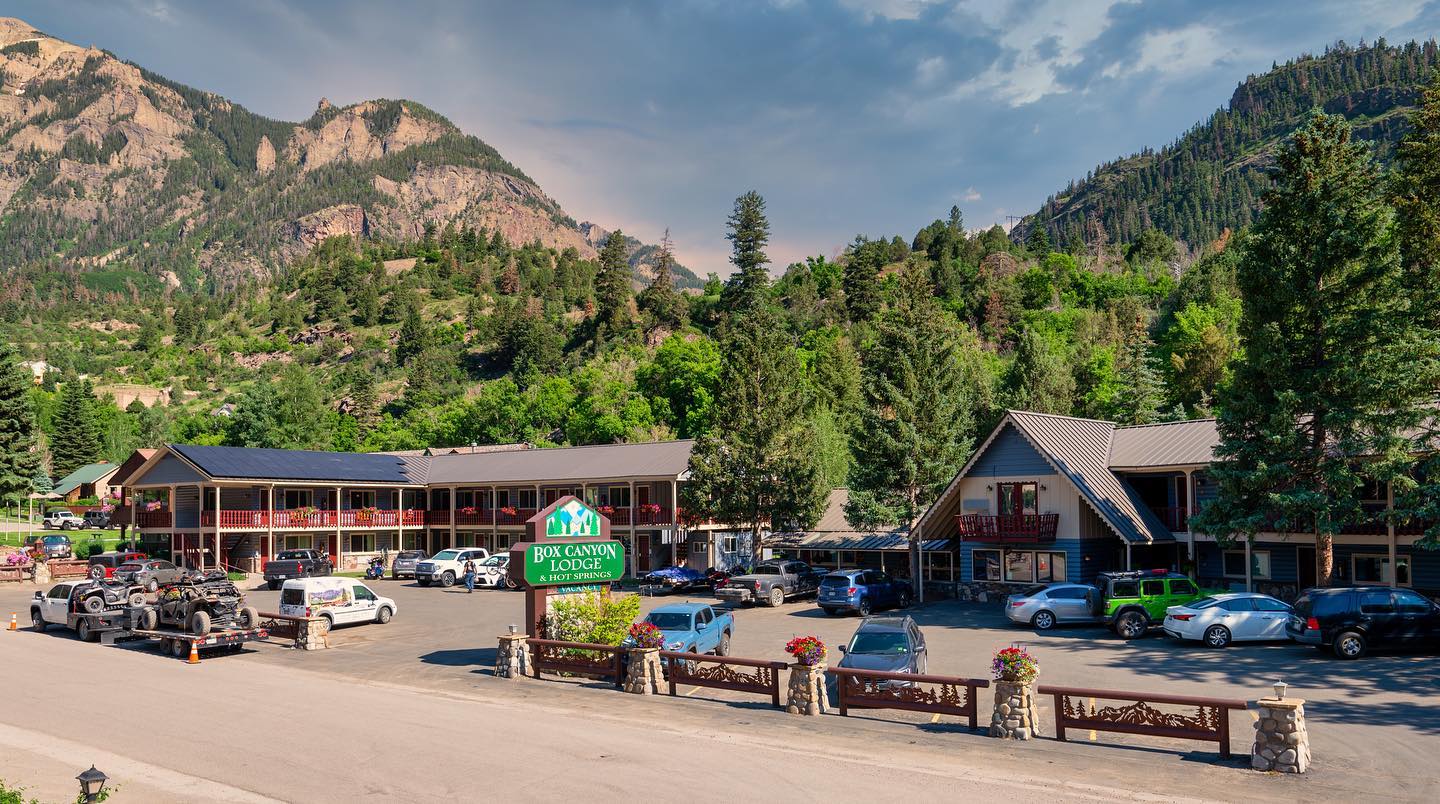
[94, 596]
[199, 603]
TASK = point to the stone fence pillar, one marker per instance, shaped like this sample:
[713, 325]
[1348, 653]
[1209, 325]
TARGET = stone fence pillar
[1282, 743]
[806, 694]
[512, 660]
[312, 634]
[1014, 717]
[643, 674]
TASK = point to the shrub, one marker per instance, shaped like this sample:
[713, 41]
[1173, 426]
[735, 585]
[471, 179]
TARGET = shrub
[601, 618]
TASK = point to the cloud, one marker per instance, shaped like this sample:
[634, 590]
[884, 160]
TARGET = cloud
[970, 195]
[1182, 51]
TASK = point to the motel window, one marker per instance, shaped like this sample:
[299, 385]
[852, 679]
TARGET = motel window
[1020, 567]
[1017, 498]
[299, 498]
[1376, 569]
[525, 498]
[1259, 564]
[362, 499]
[616, 497]
[360, 543]
[465, 499]
[985, 564]
[299, 541]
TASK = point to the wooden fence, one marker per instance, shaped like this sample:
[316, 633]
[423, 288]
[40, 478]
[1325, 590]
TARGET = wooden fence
[605, 662]
[914, 692]
[724, 673]
[1210, 721]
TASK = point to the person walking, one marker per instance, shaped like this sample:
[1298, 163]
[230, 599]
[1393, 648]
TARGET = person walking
[470, 576]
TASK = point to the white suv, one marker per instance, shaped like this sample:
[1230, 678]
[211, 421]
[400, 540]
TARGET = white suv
[63, 520]
[448, 566]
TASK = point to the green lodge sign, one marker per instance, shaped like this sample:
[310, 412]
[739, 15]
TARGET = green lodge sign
[572, 519]
[578, 563]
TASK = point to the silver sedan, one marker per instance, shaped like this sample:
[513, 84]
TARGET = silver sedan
[1044, 607]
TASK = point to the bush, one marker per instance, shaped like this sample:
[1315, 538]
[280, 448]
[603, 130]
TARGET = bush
[601, 618]
[89, 548]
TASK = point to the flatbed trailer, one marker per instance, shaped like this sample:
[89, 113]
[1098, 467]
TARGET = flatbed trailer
[177, 643]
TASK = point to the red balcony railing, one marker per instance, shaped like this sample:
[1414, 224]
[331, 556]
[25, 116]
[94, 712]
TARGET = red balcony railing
[517, 518]
[480, 516]
[152, 519]
[1007, 528]
[663, 516]
[283, 519]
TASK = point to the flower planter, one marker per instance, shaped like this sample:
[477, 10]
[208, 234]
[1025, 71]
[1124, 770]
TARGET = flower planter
[1014, 717]
[644, 675]
[806, 694]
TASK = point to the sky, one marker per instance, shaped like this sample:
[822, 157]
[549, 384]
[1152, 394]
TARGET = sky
[850, 117]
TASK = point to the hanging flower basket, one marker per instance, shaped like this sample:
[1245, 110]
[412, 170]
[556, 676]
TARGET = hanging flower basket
[365, 516]
[1014, 664]
[650, 508]
[646, 635]
[807, 650]
[300, 517]
[468, 510]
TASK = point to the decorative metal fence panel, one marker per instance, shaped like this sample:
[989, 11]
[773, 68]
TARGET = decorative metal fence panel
[724, 673]
[1208, 719]
[914, 692]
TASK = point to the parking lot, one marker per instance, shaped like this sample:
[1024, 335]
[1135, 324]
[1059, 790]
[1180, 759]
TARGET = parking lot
[1378, 716]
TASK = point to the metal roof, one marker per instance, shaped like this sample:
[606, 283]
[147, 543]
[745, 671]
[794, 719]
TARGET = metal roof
[833, 532]
[89, 473]
[599, 462]
[1187, 443]
[248, 463]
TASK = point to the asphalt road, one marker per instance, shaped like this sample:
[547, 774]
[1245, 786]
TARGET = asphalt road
[411, 710]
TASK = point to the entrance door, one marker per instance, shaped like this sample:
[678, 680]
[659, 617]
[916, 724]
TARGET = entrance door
[1305, 563]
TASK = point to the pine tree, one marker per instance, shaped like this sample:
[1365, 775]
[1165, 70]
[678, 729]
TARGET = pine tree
[364, 402]
[509, 283]
[1040, 378]
[915, 428]
[19, 459]
[1141, 390]
[1333, 362]
[660, 301]
[76, 440]
[861, 279]
[414, 337]
[1038, 241]
[748, 236]
[612, 284]
[759, 471]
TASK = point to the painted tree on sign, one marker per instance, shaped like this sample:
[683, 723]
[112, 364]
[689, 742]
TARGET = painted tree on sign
[1333, 359]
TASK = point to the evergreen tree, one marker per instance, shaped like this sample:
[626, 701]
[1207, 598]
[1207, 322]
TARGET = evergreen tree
[1040, 378]
[364, 402]
[1038, 241]
[76, 438]
[759, 471]
[612, 284]
[660, 301]
[1333, 362]
[861, 279]
[1140, 389]
[414, 338]
[915, 427]
[254, 423]
[19, 458]
[748, 236]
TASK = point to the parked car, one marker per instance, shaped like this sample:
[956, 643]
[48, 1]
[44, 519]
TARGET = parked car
[772, 583]
[404, 564]
[861, 591]
[1350, 621]
[199, 603]
[62, 519]
[676, 579]
[296, 564]
[889, 644]
[340, 601]
[448, 566]
[55, 547]
[1131, 603]
[693, 627]
[151, 573]
[493, 572]
[1219, 620]
[97, 518]
[1045, 606]
[103, 565]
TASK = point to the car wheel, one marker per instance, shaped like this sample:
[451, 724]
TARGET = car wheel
[1217, 636]
[1131, 625]
[448, 579]
[1043, 620]
[97, 572]
[723, 649]
[423, 581]
[1350, 645]
[94, 604]
[272, 585]
[777, 597]
[82, 630]
[37, 622]
[153, 586]
[179, 648]
[864, 608]
[384, 615]
[149, 619]
[200, 623]
[136, 599]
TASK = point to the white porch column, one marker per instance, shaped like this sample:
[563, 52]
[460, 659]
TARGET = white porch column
[494, 517]
[1127, 556]
[219, 564]
[634, 545]
[1189, 508]
[270, 521]
[400, 516]
[454, 490]
[339, 537]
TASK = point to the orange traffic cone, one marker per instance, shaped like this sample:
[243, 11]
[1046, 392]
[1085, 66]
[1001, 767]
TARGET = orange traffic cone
[13, 626]
[194, 655]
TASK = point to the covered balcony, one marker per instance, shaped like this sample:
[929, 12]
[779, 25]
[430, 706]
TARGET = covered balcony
[1007, 528]
[304, 519]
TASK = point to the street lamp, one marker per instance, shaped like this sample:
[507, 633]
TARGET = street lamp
[1279, 688]
[92, 782]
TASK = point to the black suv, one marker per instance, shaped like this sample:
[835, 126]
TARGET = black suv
[1351, 621]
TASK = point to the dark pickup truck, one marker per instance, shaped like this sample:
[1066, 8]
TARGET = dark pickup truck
[296, 564]
[772, 583]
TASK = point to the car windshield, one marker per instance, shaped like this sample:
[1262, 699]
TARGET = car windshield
[56, 539]
[494, 561]
[294, 555]
[883, 642]
[61, 513]
[129, 567]
[669, 620]
[835, 580]
[447, 555]
[1032, 591]
[1203, 603]
[411, 554]
[766, 569]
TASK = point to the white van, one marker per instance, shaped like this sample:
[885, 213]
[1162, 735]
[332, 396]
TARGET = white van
[339, 600]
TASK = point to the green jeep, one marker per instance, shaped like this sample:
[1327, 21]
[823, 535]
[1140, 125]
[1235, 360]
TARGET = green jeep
[1131, 603]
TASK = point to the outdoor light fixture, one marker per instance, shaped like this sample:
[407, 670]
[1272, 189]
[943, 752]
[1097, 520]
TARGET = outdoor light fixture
[514, 629]
[1042, 487]
[91, 783]
[1280, 688]
[989, 488]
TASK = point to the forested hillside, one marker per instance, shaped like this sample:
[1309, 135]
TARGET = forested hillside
[1211, 179]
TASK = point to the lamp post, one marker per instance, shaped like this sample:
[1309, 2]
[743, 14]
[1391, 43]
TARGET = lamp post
[92, 783]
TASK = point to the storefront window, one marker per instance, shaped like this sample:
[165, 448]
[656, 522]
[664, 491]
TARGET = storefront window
[1020, 567]
[1049, 567]
[985, 565]
[1259, 564]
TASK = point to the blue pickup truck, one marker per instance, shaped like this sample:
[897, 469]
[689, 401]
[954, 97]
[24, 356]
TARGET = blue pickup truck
[694, 627]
